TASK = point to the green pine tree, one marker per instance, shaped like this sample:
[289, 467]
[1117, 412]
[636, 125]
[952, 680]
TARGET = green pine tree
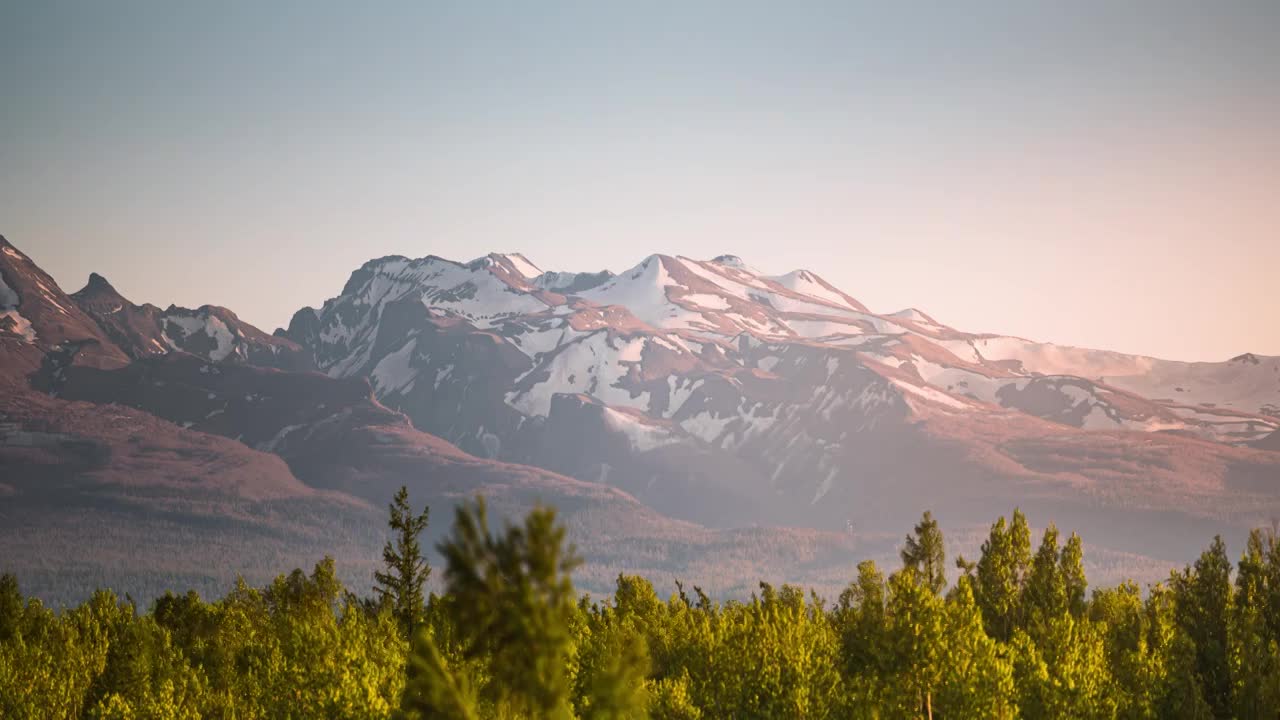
[11, 605]
[1202, 600]
[1254, 655]
[977, 680]
[512, 605]
[1071, 567]
[916, 654]
[1045, 596]
[860, 619]
[998, 585]
[407, 571]
[926, 555]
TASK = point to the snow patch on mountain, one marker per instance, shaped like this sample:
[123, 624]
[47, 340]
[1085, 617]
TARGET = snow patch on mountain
[8, 296]
[18, 325]
[642, 435]
[11, 319]
[705, 300]
[818, 329]
[521, 264]
[807, 283]
[594, 365]
[395, 373]
[930, 394]
[538, 339]
[1047, 359]
[643, 291]
[919, 320]
[209, 325]
[1241, 386]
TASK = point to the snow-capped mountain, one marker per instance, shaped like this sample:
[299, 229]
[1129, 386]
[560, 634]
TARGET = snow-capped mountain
[700, 385]
[646, 406]
[147, 442]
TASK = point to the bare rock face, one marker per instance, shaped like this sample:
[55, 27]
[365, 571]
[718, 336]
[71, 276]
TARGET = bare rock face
[37, 318]
[209, 332]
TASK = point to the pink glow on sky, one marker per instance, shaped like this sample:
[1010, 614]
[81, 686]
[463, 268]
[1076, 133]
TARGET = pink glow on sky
[1103, 176]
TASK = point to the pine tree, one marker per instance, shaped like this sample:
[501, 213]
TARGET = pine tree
[1135, 661]
[1045, 596]
[1202, 598]
[915, 640]
[1071, 569]
[512, 603]
[998, 582]
[407, 571]
[436, 690]
[860, 618]
[925, 554]
[977, 681]
[1020, 546]
[10, 606]
[1253, 652]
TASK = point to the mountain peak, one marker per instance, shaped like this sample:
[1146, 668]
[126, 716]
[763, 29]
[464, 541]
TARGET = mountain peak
[912, 314]
[517, 262]
[8, 249]
[735, 262]
[98, 283]
[99, 292]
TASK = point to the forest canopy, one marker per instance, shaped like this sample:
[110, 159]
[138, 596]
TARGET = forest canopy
[1015, 632]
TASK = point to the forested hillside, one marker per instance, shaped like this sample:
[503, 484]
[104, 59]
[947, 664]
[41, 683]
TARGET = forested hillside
[1015, 632]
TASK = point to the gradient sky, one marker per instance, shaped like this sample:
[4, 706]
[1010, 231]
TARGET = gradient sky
[1104, 174]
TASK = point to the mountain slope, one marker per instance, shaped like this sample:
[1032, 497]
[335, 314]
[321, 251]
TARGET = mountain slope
[722, 395]
[189, 457]
[38, 320]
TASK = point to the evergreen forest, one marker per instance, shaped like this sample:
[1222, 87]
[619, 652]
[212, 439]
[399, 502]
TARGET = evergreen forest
[1014, 633]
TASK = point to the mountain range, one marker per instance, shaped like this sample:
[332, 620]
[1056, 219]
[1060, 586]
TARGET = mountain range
[694, 419]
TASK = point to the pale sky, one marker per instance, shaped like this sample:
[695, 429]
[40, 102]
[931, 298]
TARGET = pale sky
[1098, 173]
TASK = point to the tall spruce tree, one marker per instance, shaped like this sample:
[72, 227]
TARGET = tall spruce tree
[513, 603]
[860, 621]
[915, 642]
[977, 679]
[1202, 595]
[1020, 545]
[997, 587]
[407, 571]
[1072, 570]
[1045, 596]
[10, 606]
[926, 555]
[1254, 656]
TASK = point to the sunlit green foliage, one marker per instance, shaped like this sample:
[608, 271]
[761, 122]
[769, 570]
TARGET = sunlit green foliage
[1014, 637]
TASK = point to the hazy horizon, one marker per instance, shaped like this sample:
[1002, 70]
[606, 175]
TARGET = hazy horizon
[1094, 175]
